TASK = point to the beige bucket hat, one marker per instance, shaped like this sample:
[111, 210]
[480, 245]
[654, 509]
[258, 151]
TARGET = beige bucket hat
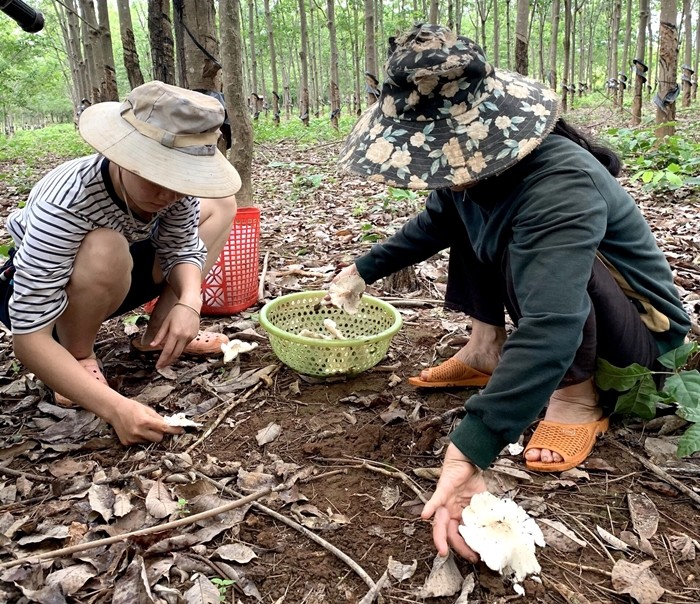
[446, 117]
[166, 135]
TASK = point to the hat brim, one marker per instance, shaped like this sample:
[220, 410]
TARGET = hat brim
[456, 150]
[103, 128]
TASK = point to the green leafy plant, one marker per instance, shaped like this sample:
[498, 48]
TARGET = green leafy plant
[641, 396]
[223, 586]
[659, 164]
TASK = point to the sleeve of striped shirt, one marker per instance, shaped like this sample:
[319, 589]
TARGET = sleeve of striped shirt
[177, 236]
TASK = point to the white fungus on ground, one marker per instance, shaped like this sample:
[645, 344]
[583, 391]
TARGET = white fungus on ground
[503, 534]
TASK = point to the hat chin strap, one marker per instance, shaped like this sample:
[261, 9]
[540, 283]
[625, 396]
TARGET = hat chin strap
[194, 144]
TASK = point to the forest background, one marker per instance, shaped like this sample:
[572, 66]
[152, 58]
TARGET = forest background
[299, 60]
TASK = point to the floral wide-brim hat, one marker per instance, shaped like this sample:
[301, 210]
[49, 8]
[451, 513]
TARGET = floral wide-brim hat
[446, 117]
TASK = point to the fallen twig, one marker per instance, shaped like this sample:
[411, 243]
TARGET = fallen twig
[660, 472]
[18, 473]
[263, 274]
[375, 467]
[302, 529]
[81, 547]
[568, 594]
[411, 302]
[234, 403]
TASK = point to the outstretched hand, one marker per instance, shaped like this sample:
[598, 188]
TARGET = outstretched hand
[459, 482]
[136, 423]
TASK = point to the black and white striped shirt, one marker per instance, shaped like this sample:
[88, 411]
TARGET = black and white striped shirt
[63, 207]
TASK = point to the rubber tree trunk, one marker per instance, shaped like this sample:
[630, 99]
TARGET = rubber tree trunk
[241, 128]
[688, 54]
[131, 55]
[273, 63]
[521, 37]
[370, 53]
[333, 88]
[203, 69]
[553, 45]
[303, 59]
[161, 37]
[640, 68]
[667, 89]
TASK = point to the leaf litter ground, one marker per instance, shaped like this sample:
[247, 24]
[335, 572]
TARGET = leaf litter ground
[348, 460]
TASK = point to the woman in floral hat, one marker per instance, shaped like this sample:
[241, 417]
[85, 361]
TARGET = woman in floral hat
[537, 224]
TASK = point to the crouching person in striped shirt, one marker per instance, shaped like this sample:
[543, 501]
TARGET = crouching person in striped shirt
[146, 216]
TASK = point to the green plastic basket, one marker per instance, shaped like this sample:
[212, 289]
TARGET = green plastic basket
[368, 333]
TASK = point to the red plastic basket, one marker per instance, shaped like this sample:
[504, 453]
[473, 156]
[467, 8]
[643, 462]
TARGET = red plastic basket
[232, 283]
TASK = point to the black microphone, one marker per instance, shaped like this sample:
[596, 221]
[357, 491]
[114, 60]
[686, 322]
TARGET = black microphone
[27, 18]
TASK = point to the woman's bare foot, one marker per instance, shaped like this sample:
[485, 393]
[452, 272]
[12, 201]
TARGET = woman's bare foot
[577, 404]
[483, 351]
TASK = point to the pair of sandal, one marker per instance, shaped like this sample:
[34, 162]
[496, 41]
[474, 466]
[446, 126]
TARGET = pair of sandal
[205, 343]
[573, 442]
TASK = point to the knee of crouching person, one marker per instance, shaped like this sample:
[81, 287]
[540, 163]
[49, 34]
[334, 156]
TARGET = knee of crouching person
[103, 252]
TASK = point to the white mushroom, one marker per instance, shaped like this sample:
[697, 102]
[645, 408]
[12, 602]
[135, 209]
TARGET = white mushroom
[235, 347]
[347, 292]
[503, 534]
[331, 326]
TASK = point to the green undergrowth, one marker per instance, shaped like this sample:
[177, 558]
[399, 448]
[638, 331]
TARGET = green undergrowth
[640, 395]
[665, 164]
[319, 130]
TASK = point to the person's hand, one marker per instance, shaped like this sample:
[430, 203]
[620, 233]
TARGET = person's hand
[459, 482]
[136, 423]
[179, 328]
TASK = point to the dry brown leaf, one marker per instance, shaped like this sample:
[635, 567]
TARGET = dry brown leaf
[400, 571]
[101, 498]
[645, 516]
[428, 473]
[151, 395]
[71, 578]
[637, 581]
[444, 579]
[559, 536]
[683, 546]
[203, 591]
[159, 502]
[268, 434]
[611, 540]
[389, 496]
[236, 552]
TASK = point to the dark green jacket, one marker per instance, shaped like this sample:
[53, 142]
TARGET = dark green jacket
[554, 212]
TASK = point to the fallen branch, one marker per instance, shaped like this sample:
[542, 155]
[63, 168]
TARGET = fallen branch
[81, 547]
[660, 472]
[302, 529]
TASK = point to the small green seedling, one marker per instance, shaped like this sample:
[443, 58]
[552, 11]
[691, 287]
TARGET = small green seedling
[223, 586]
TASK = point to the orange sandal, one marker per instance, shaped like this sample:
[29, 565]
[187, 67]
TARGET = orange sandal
[574, 442]
[205, 343]
[453, 373]
[92, 366]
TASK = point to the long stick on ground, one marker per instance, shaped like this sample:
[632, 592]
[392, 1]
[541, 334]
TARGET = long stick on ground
[81, 547]
[303, 530]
